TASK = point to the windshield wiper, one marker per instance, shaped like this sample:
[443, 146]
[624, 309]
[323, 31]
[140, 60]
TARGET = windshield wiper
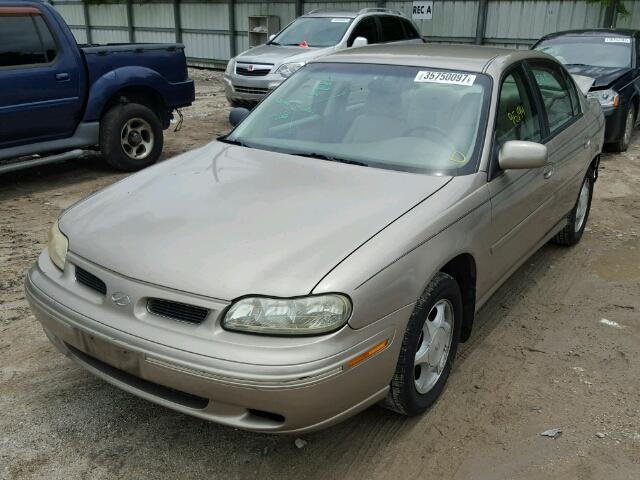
[233, 142]
[271, 42]
[322, 156]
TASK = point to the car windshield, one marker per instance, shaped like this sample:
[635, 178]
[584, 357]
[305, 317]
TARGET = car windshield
[598, 51]
[314, 31]
[413, 119]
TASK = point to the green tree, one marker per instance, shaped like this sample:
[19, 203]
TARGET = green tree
[619, 6]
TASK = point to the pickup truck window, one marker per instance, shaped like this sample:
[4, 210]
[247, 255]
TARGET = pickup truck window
[25, 40]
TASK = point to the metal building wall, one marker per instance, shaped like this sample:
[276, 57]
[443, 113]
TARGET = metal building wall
[215, 30]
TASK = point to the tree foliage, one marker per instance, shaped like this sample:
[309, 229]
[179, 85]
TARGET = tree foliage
[619, 6]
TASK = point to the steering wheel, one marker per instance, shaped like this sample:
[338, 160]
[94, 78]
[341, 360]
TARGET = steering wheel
[433, 128]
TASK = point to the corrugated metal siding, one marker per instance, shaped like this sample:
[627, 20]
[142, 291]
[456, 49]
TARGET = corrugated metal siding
[159, 15]
[205, 24]
[209, 16]
[109, 15]
[72, 14]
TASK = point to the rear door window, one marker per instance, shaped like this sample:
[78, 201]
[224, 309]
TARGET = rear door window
[368, 29]
[556, 97]
[392, 30]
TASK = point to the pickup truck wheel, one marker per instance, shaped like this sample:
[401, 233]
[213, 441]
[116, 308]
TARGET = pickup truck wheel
[131, 137]
[428, 348]
[577, 219]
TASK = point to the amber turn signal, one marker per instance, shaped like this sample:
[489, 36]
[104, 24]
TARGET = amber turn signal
[368, 354]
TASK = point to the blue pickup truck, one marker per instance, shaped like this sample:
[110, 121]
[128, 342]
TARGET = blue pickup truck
[58, 98]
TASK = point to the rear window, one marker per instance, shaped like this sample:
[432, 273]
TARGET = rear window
[25, 40]
[392, 30]
[599, 50]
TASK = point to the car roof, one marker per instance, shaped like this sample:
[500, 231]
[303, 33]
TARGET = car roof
[471, 58]
[611, 32]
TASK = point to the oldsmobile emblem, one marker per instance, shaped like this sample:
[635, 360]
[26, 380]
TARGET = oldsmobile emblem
[250, 68]
[120, 299]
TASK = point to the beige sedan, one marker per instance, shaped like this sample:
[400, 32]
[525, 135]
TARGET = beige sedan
[331, 251]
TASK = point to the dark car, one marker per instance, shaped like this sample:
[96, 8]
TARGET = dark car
[610, 57]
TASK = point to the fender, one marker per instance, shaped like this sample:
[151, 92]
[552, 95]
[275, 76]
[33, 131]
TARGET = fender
[103, 89]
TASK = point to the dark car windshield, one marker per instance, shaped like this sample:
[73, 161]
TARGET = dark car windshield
[413, 119]
[598, 51]
[314, 31]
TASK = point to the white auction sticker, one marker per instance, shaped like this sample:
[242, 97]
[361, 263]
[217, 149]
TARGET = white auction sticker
[617, 40]
[450, 78]
[340, 20]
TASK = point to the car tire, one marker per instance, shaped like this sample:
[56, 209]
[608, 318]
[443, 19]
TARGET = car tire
[131, 137]
[622, 144]
[416, 386]
[577, 219]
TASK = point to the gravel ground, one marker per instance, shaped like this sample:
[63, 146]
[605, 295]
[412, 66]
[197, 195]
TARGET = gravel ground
[539, 359]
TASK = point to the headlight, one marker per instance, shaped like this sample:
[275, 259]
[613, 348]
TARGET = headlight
[288, 69]
[58, 246]
[289, 316]
[607, 98]
[230, 66]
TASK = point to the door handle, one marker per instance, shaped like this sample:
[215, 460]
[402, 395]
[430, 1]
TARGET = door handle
[62, 77]
[548, 172]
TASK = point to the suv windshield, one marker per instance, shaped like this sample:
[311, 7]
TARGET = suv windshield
[598, 51]
[314, 31]
[412, 119]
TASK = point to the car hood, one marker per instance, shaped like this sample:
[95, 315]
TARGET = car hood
[276, 54]
[225, 221]
[602, 76]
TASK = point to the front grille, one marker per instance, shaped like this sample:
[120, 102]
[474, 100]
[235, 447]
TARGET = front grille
[175, 396]
[177, 311]
[90, 280]
[253, 71]
[252, 90]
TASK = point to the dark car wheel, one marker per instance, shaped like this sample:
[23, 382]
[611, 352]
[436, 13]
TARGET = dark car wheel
[577, 219]
[625, 139]
[131, 137]
[428, 348]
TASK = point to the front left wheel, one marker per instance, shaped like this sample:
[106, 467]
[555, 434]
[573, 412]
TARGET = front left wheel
[428, 348]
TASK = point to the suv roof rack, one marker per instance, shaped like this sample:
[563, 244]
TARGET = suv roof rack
[379, 9]
[318, 10]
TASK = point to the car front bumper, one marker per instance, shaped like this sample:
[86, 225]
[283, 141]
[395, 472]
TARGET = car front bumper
[250, 90]
[312, 393]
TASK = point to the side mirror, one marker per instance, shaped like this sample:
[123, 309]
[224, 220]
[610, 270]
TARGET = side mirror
[360, 42]
[271, 37]
[237, 115]
[518, 155]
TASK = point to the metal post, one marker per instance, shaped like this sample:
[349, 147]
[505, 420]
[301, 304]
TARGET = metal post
[132, 33]
[299, 8]
[177, 21]
[610, 14]
[481, 24]
[87, 22]
[232, 27]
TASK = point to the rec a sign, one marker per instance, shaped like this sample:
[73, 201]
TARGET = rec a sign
[422, 10]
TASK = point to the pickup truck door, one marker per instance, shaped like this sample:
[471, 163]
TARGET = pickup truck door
[520, 199]
[40, 79]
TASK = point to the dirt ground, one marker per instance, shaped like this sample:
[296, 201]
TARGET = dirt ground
[539, 358]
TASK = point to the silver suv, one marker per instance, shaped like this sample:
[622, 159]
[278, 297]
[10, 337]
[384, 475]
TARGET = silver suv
[254, 73]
